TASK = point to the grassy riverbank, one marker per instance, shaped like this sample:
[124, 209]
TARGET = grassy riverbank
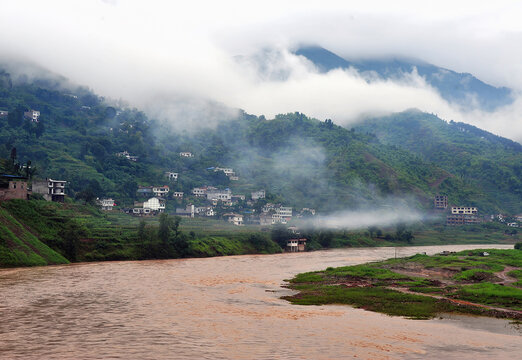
[420, 286]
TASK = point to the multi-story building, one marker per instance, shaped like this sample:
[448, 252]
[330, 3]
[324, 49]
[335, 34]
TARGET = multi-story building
[199, 191]
[461, 219]
[440, 202]
[32, 115]
[282, 215]
[465, 210]
[219, 194]
[52, 190]
[178, 194]
[186, 154]
[106, 204]
[161, 191]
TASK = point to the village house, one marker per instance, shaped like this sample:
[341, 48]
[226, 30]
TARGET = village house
[268, 208]
[3, 113]
[462, 219]
[186, 154]
[265, 219]
[440, 202]
[236, 198]
[161, 191]
[256, 195]
[512, 224]
[201, 191]
[204, 211]
[106, 204]
[52, 190]
[235, 219]
[13, 187]
[155, 204]
[189, 211]
[140, 211]
[465, 210]
[307, 211]
[296, 245]
[172, 176]
[177, 194]
[282, 215]
[32, 115]
[217, 194]
[144, 191]
[125, 154]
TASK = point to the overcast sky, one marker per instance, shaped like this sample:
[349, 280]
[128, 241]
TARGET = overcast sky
[148, 52]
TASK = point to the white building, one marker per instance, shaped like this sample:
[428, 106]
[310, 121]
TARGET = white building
[106, 204]
[52, 190]
[155, 204]
[200, 192]
[220, 195]
[256, 195]
[186, 154]
[282, 215]
[32, 115]
[161, 190]
[235, 219]
[178, 194]
[172, 176]
[466, 210]
[125, 154]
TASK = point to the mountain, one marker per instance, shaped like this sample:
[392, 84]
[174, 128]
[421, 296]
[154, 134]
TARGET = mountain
[299, 161]
[490, 163]
[459, 88]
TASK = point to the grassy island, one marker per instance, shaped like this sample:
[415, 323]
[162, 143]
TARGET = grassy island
[483, 282]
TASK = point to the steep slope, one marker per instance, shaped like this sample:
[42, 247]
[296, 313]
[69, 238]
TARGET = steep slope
[460, 88]
[20, 247]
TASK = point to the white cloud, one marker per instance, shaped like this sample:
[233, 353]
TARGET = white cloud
[145, 51]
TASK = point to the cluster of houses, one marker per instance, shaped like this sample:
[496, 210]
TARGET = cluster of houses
[469, 215]
[18, 187]
[32, 115]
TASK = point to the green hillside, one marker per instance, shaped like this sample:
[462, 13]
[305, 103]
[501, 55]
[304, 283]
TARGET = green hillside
[488, 163]
[300, 161]
[20, 247]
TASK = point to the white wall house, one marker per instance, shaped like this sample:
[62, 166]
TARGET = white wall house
[160, 190]
[155, 204]
[466, 210]
[256, 195]
[186, 154]
[32, 115]
[106, 204]
[235, 219]
[172, 176]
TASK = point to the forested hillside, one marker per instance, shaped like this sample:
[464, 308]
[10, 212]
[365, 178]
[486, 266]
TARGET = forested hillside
[300, 161]
[487, 162]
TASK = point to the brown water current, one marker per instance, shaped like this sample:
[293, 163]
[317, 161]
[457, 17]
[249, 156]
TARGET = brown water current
[222, 308]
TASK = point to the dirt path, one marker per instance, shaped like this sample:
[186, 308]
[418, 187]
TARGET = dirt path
[506, 279]
[513, 313]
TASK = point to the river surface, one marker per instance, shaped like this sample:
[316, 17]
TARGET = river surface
[222, 308]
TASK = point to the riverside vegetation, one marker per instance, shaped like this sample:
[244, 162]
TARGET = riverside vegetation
[37, 232]
[483, 282]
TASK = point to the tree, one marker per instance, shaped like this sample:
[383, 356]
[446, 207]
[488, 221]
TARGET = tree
[372, 230]
[71, 235]
[40, 129]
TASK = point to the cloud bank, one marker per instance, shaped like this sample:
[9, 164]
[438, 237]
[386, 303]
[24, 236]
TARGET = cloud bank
[177, 61]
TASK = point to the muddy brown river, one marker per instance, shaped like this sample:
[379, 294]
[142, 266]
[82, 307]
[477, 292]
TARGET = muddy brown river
[222, 308]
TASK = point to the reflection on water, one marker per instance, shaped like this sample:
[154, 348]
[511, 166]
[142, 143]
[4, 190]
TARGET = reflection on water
[220, 308]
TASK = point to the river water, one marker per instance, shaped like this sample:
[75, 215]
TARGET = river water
[222, 308]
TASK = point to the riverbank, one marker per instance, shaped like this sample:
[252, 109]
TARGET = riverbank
[37, 232]
[421, 286]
